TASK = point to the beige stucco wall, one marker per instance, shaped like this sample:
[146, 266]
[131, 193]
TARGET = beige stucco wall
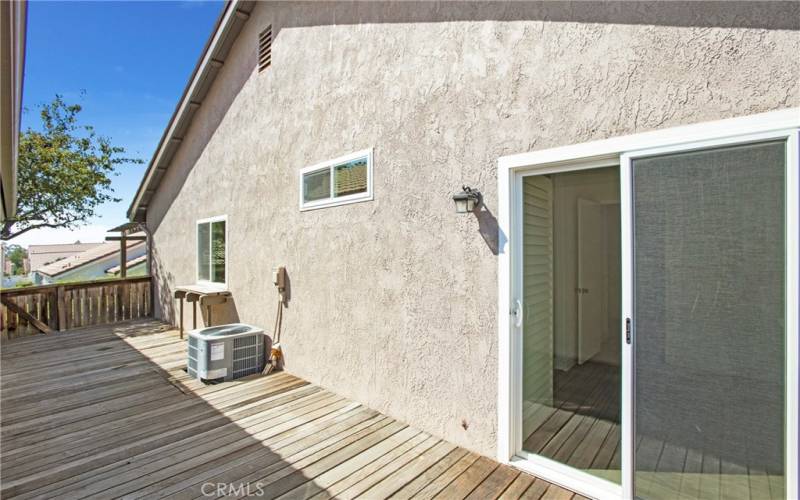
[394, 301]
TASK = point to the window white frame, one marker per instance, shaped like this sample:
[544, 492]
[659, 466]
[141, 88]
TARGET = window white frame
[332, 201]
[223, 218]
[783, 124]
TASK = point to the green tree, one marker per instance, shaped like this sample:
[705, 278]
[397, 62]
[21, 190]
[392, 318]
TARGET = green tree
[16, 254]
[64, 171]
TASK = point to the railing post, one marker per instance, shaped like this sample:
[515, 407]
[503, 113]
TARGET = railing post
[61, 306]
[52, 310]
[126, 300]
[118, 302]
[123, 255]
[11, 321]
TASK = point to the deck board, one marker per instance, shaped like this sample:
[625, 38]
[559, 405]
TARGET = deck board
[581, 429]
[107, 411]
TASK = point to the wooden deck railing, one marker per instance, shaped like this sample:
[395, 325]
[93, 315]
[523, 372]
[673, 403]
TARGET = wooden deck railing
[48, 308]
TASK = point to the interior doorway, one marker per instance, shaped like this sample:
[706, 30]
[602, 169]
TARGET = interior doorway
[571, 334]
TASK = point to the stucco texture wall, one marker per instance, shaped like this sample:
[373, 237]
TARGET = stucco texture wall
[394, 301]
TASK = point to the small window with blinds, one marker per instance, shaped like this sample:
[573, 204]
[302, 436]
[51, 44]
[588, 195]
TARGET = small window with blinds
[347, 179]
[265, 49]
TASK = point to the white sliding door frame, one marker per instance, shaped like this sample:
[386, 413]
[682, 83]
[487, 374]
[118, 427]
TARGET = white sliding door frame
[546, 468]
[619, 151]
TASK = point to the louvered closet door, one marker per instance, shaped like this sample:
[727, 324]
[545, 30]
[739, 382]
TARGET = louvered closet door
[537, 282]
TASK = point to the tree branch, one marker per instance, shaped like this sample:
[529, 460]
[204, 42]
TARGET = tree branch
[8, 235]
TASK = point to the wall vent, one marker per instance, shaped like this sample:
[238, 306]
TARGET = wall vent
[264, 48]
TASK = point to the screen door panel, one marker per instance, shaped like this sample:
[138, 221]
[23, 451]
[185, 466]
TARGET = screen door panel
[709, 316]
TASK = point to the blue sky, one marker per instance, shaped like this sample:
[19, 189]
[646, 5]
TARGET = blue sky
[132, 59]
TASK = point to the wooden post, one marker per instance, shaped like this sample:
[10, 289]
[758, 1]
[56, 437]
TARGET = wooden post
[83, 307]
[52, 310]
[118, 303]
[180, 294]
[123, 255]
[11, 321]
[62, 311]
[33, 305]
[106, 301]
[181, 313]
[68, 315]
[126, 301]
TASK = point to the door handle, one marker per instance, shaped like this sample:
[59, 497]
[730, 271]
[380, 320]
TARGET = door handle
[628, 331]
[517, 312]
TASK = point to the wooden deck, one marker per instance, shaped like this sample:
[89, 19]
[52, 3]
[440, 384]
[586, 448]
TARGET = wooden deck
[107, 411]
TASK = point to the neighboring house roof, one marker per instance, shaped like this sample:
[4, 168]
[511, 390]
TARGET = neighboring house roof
[13, 21]
[131, 263]
[41, 255]
[101, 251]
[230, 22]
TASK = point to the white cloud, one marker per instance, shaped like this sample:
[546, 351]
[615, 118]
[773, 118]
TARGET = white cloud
[87, 234]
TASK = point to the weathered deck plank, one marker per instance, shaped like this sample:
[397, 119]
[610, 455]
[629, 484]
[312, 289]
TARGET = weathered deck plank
[107, 411]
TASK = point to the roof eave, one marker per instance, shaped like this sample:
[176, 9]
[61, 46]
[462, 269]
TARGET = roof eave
[14, 19]
[91, 261]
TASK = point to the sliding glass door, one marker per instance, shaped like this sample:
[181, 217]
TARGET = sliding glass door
[571, 344]
[709, 309]
[655, 320]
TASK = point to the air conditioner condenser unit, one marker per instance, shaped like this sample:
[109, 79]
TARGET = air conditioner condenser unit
[226, 352]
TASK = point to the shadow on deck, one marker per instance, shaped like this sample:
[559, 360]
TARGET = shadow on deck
[108, 411]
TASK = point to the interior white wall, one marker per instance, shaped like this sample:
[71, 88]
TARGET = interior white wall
[610, 349]
[600, 185]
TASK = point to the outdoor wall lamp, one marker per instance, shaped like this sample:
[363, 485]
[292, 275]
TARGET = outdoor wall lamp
[467, 200]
